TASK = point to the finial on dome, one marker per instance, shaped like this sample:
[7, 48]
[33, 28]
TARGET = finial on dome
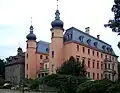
[57, 23]
[31, 35]
[31, 27]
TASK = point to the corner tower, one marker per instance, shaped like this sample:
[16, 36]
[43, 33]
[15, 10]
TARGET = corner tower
[30, 56]
[56, 45]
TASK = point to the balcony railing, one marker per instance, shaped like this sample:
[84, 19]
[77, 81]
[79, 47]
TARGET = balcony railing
[44, 70]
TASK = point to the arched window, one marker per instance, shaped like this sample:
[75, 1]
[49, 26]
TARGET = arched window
[95, 44]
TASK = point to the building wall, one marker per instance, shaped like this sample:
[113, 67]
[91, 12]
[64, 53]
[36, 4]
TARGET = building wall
[30, 60]
[56, 50]
[14, 73]
[97, 58]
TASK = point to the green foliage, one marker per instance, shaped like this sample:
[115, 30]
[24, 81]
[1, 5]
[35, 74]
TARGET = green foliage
[119, 71]
[2, 81]
[35, 84]
[114, 24]
[99, 86]
[2, 68]
[72, 67]
[65, 83]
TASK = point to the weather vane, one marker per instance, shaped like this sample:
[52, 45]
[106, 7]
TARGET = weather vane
[31, 20]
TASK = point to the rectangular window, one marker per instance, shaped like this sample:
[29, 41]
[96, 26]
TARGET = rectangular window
[108, 66]
[41, 56]
[27, 66]
[83, 49]
[46, 57]
[88, 63]
[77, 47]
[97, 65]
[105, 65]
[112, 58]
[101, 55]
[98, 54]
[52, 54]
[89, 74]
[105, 56]
[88, 51]
[77, 59]
[52, 34]
[109, 76]
[93, 52]
[105, 76]
[83, 61]
[113, 67]
[52, 67]
[93, 75]
[27, 55]
[97, 76]
[27, 76]
[101, 76]
[27, 45]
[93, 64]
[101, 65]
[39, 75]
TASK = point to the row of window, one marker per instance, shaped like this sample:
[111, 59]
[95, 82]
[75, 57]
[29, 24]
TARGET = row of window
[99, 76]
[89, 51]
[106, 66]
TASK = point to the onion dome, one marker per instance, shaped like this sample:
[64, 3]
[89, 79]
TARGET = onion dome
[19, 50]
[31, 35]
[57, 22]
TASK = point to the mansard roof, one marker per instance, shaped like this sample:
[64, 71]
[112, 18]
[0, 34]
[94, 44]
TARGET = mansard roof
[42, 47]
[75, 35]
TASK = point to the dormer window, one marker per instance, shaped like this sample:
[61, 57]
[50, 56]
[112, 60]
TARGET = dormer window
[103, 47]
[108, 49]
[111, 50]
[81, 38]
[95, 44]
[88, 41]
[47, 50]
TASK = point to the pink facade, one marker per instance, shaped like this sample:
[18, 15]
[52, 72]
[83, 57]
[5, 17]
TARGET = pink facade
[99, 64]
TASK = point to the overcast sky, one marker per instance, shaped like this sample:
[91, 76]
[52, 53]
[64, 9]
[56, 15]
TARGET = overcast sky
[15, 21]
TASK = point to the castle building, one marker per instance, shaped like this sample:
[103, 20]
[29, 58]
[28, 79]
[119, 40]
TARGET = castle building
[15, 68]
[43, 58]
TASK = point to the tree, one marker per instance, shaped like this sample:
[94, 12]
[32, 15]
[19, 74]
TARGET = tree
[72, 67]
[119, 71]
[64, 83]
[98, 86]
[2, 68]
[114, 24]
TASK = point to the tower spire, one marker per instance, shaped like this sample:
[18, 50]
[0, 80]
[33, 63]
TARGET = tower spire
[57, 4]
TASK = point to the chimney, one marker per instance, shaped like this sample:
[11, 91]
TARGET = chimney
[87, 30]
[98, 36]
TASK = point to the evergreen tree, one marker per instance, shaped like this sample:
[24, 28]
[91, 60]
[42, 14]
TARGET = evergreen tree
[114, 24]
[72, 67]
[2, 68]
